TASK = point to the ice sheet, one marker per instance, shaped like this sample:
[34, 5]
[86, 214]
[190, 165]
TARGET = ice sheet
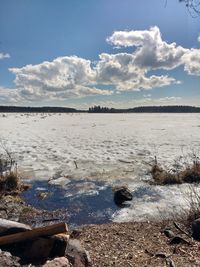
[112, 148]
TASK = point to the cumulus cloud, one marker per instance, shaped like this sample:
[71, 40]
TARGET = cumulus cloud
[9, 96]
[62, 78]
[198, 39]
[145, 83]
[152, 52]
[3, 56]
[72, 76]
[192, 62]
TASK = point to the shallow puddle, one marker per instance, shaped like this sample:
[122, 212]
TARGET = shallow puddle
[94, 207]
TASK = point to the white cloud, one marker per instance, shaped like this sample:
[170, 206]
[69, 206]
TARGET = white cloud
[3, 56]
[192, 62]
[9, 96]
[128, 71]
[152, 52]
[72, 76]
[146, 83]
[114, 69]
[169, 99]
[62, 78]
[198, 39]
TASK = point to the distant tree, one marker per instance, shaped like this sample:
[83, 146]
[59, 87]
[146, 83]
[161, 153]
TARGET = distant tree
[147, 109]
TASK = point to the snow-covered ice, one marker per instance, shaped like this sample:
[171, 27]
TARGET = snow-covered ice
[111, 148]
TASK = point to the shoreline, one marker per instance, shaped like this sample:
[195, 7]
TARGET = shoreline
[114, 244]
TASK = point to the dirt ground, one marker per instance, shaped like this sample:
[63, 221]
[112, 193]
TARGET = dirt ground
[137, 244]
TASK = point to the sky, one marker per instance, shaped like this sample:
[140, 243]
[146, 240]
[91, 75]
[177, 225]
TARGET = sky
[112, 53]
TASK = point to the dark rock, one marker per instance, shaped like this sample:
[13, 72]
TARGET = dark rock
[122, 194]
[40, 249]
[196, 229]
[60, 245]
[168, 233]
[46, 248]
[178, 240]
[76, 254]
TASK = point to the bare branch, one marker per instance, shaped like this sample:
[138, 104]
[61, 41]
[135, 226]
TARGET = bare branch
[193, 7]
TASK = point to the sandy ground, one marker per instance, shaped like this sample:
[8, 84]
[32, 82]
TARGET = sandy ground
[136, 244]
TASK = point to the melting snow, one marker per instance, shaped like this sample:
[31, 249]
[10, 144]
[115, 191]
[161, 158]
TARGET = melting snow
[111, 148]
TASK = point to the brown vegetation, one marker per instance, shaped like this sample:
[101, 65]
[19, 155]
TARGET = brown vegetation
[192, 212]
[191, 174]
[10, 181]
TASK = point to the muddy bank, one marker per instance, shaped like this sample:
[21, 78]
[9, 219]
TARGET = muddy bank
[16, 209]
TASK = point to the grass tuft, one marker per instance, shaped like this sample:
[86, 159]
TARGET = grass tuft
[163, 177]
[191, 174]
[10, 182]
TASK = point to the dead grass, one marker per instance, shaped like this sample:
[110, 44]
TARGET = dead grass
[191, 174]
[10, 182]
[192, 211]
[163, 177]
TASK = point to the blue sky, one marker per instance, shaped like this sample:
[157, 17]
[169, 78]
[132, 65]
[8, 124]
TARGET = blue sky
[109, 52]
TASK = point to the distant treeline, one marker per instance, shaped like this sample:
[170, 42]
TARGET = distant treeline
[99, 109]
[147, 109]
[36, 109]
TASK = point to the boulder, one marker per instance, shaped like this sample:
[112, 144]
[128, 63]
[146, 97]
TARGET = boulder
[39, 249]
[76, 254]
[122, 194]
[7, 260]
[196, 229]
[57, 262]
[44, 248]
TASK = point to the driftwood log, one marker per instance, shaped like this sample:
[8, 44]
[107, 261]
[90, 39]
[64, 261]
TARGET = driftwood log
[7, 226]
[33, 234]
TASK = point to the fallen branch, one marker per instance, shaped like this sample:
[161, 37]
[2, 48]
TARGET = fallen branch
[6, 225]
[181, 230]
[126, 161]
[32, 234]
[75, 164]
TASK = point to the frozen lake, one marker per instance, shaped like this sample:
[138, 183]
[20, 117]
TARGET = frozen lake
[96, 151]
